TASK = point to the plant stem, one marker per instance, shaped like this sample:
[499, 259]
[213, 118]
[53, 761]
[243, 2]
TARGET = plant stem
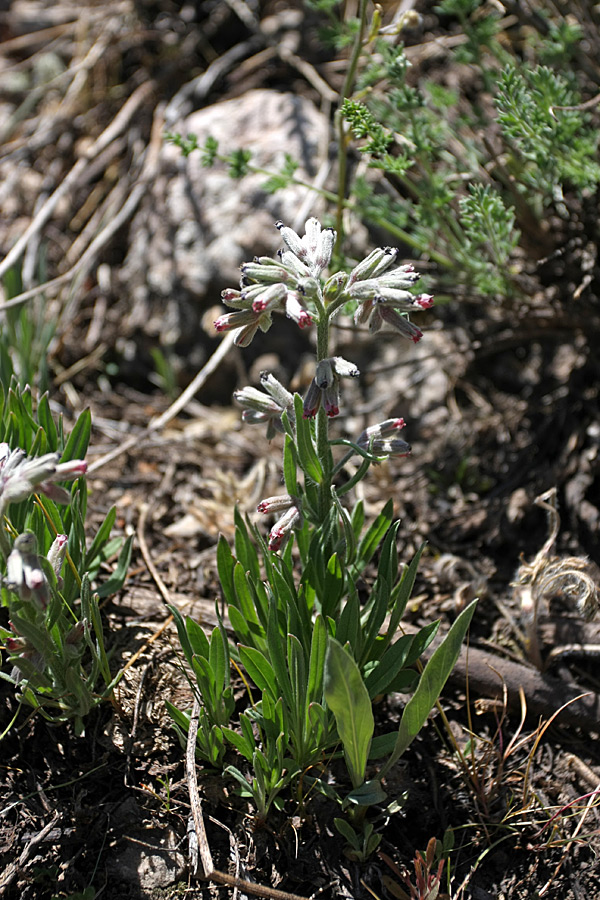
[4, 544]
[342, 157]
[322, 423]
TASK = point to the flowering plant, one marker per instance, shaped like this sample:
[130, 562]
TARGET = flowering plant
[316, 651]
[54, 639]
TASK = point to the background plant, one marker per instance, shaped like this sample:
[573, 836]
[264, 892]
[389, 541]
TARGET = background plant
[54, 639]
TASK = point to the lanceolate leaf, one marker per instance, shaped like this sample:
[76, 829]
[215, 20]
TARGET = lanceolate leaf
[431, 683]
[307, 455]
[348, 699]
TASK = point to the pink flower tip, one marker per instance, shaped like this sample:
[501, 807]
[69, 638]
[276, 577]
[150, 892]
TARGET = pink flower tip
[425, 301]
[305, 321]
[221, 324]
[275, 539]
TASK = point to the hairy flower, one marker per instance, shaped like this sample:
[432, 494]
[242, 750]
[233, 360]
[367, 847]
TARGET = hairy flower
[325, 386]
[292, 517]
[267, 286]
[260, 407]
[382, 439]
[246, 322]
[382, 314]
[24, 571]
[314, 249]
[383, 291]
[290, 520]
[21, 475]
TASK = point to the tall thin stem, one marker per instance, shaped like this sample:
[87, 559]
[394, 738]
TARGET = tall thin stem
[322, 423]
[346, 92]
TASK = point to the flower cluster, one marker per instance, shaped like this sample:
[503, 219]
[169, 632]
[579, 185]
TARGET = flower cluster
[283, 285]
[287, 284]
[21, 476]
[383, 293]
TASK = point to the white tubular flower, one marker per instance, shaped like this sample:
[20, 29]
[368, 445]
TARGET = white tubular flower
[260, 408]
[21, 476]
[269, 298]
[24, 572]
[295, 310]
[373, 265]
[382, 439]
[276, 504]
[57, 552]
[291, 519]
[314, 249]
[381, 291]
[277, 391]
[385, 314]
[246, 323]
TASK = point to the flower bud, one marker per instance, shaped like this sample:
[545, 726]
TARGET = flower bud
[344, 368]
[372, 265]
[291, 519]
[269, 298]
[293, 241]
[261, 274]
[334, 286]
[282, 397]
[276, 504]
[295, 311]
[425, 301]
[57, 552]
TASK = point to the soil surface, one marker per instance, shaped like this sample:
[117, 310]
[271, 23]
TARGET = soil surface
[502, 405]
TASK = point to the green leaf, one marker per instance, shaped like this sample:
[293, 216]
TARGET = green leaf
[219, 655]
[367, 794]
[348, 699]
[243, 594]
[94, 555]
[350, 545]
[197, 638]
[117, 579]
[244, 547]
[182, 633]
[259, 669]
[289, 467]
[421, 641]
[316, 665]
[383, 674]
[333, 587]
[371, 540]
[242, 746]
[307, 454]
[401, 593]
[225, 566]
[79, 439]
[431, 683]
[348, 625]
[46, 420]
